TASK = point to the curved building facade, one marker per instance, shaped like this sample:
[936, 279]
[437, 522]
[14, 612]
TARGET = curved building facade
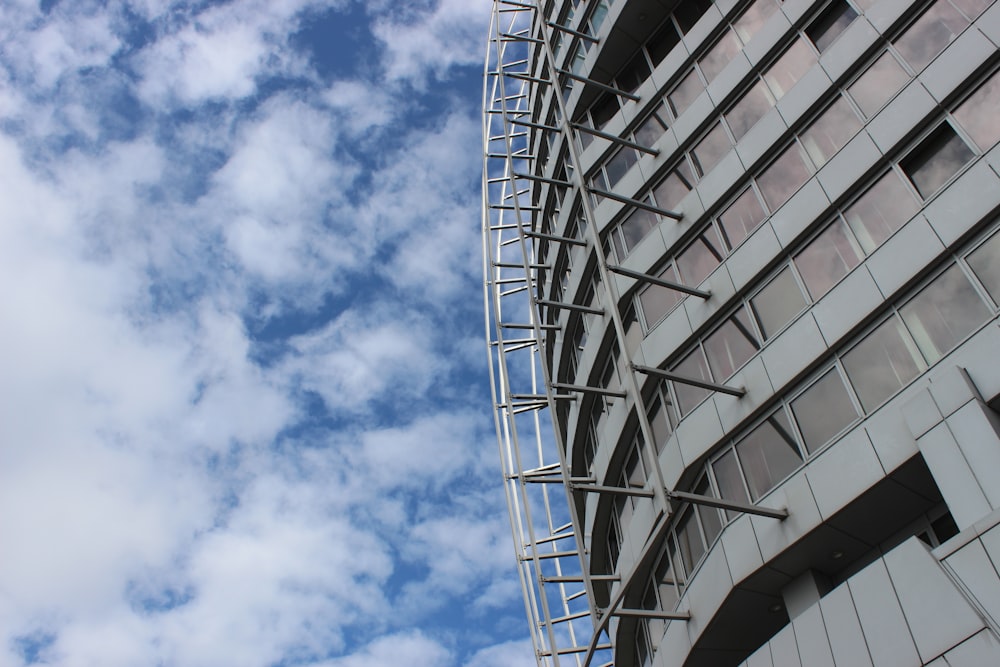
[742, 277]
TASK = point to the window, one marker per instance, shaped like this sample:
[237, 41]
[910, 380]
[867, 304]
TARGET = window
[674, 187]
[880, 211]
[651, 129]
[700, 258]
[826, 27]
[719, 55]
[692, 366]
[741, 218]
[978, 114]
[780, 180]
[930, 34]
[710, 149]
[789, 68]
[883, 362]
[972, 8]
[768, 454]
[662, 42]
[731, 345]
[656, 301]
[632, 230]
[879, 82]
[777, 303]
[619, 165]
[935, 160]
[944, 313]
[660, 419]
[754, 18]
[823, 410]
[985, 263]
[685, 92]
[729, 480]
[689, 11]
[751, 108]
[830, 132]
[827, 259]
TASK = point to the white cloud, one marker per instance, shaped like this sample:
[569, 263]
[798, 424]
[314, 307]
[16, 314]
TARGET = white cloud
[410, 648]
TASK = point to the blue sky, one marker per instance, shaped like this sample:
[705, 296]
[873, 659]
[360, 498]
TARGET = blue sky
[243, 412]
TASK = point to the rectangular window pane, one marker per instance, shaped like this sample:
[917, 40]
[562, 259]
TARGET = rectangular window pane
[742, 217]
[880, 211]
[935, 160]
[719, 56]
[785, 175]
[883, 362]
[978, 114]
[731, 345]
[768, 454]
[944, 313]
[930, 33]
[688, 12]
[778, 303]
[674, 187]
[828, 25]
[604, 109]
[754, 18]
[830, 132]
[685, 92]
[656, 301]
[659, 421]
[662, 43]
[635, 227]
[985, 263]
[827, 259]
[619, 164]
[729, 480]
[972, 8]
[711, 522]
[651, 129]
[692, 366]
[666, 581]
[751, 108]
[880, 82]
[789, 68]
[710, 149]
[700, 258]
[689, 540]
[823, 410]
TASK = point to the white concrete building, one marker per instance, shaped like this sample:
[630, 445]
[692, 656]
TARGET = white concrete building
[742, 270]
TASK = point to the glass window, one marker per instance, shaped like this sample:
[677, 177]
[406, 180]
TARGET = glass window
[884, 361]
[972, 8]
[754, 18]
[777, 303]
[985, 263]
[651, 129]
[662, 42]
[701, 257]
[659, 421]
[935, 160]
[978, 114]
[689, 539]
[634, 229]
[692, 366]
[674, 187]
[827, 259]
[879, 82]
[929, 34]
[619, 164]
[656, 301]
[823, 410]
[685, 92]
[783, 177]
[830, 132]
[604, 109]
[741, 218]
[768, 454]
[731, 345]
[634, 73]
[944, 313]
[828, 25]
[711, 522]
[789, 68]
[719, 56]
[688, 12]
[751, 108]
[710, 149]
[880, 211]
[729, 480]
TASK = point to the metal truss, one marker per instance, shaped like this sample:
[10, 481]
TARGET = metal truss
[542, 496]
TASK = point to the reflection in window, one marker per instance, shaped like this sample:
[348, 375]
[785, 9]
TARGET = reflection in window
[935, 160]
[719, 56]
[880, 82]
[660, 419]
[985, 263]
[674, 187]
[651, 129]
[972, 8]
[880, 211]
[701, 257]
[662, 42]
[823, 410]
[978, 114]
[692, 366]
[729, 479]
[883, 362]
[777, 303]
[750, 109]
[783, 177]
[685, 92]
[656, 301]
[731, 345]
[710, 149]
[741, 218]
[619, 165]
[753, 19]
[930, 33]
[632, 230]
[830, 132]
[768, 454]
[789, 68]
[827, 259]
[944, 313]
[828, 25]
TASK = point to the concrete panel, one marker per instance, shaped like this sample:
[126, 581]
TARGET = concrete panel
[951, 389]
[840, 58]
[839, 176]
[742, 553]
[671, 462]
[973, 566]
[954, 478]
[784, 650]
[770, 34]
[666, 336]
[844, 630]
[799, 213]
[846, 305]
[810, 635]
[693, 117]
[718, 182]
[803, 95]
[675, 646]
[973, 196]
[979, 650]
[923, 590]
[908, 110]
[904, 255]
[699, 432]
[721, 286]
[843, 472]
[983, 362]
[759, 142]
[774, 536]
[761, 657]
[893, 442]
[980, 443]
[882, 621]
[734, 409]
[989, 24]
[959, 61]
[735, 71]
[886, 12]
[921, 413]
[705, 593]
[793, 350]
[702, 29]
[750, 258]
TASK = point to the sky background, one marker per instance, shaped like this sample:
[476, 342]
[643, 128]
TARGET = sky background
[244, 418]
